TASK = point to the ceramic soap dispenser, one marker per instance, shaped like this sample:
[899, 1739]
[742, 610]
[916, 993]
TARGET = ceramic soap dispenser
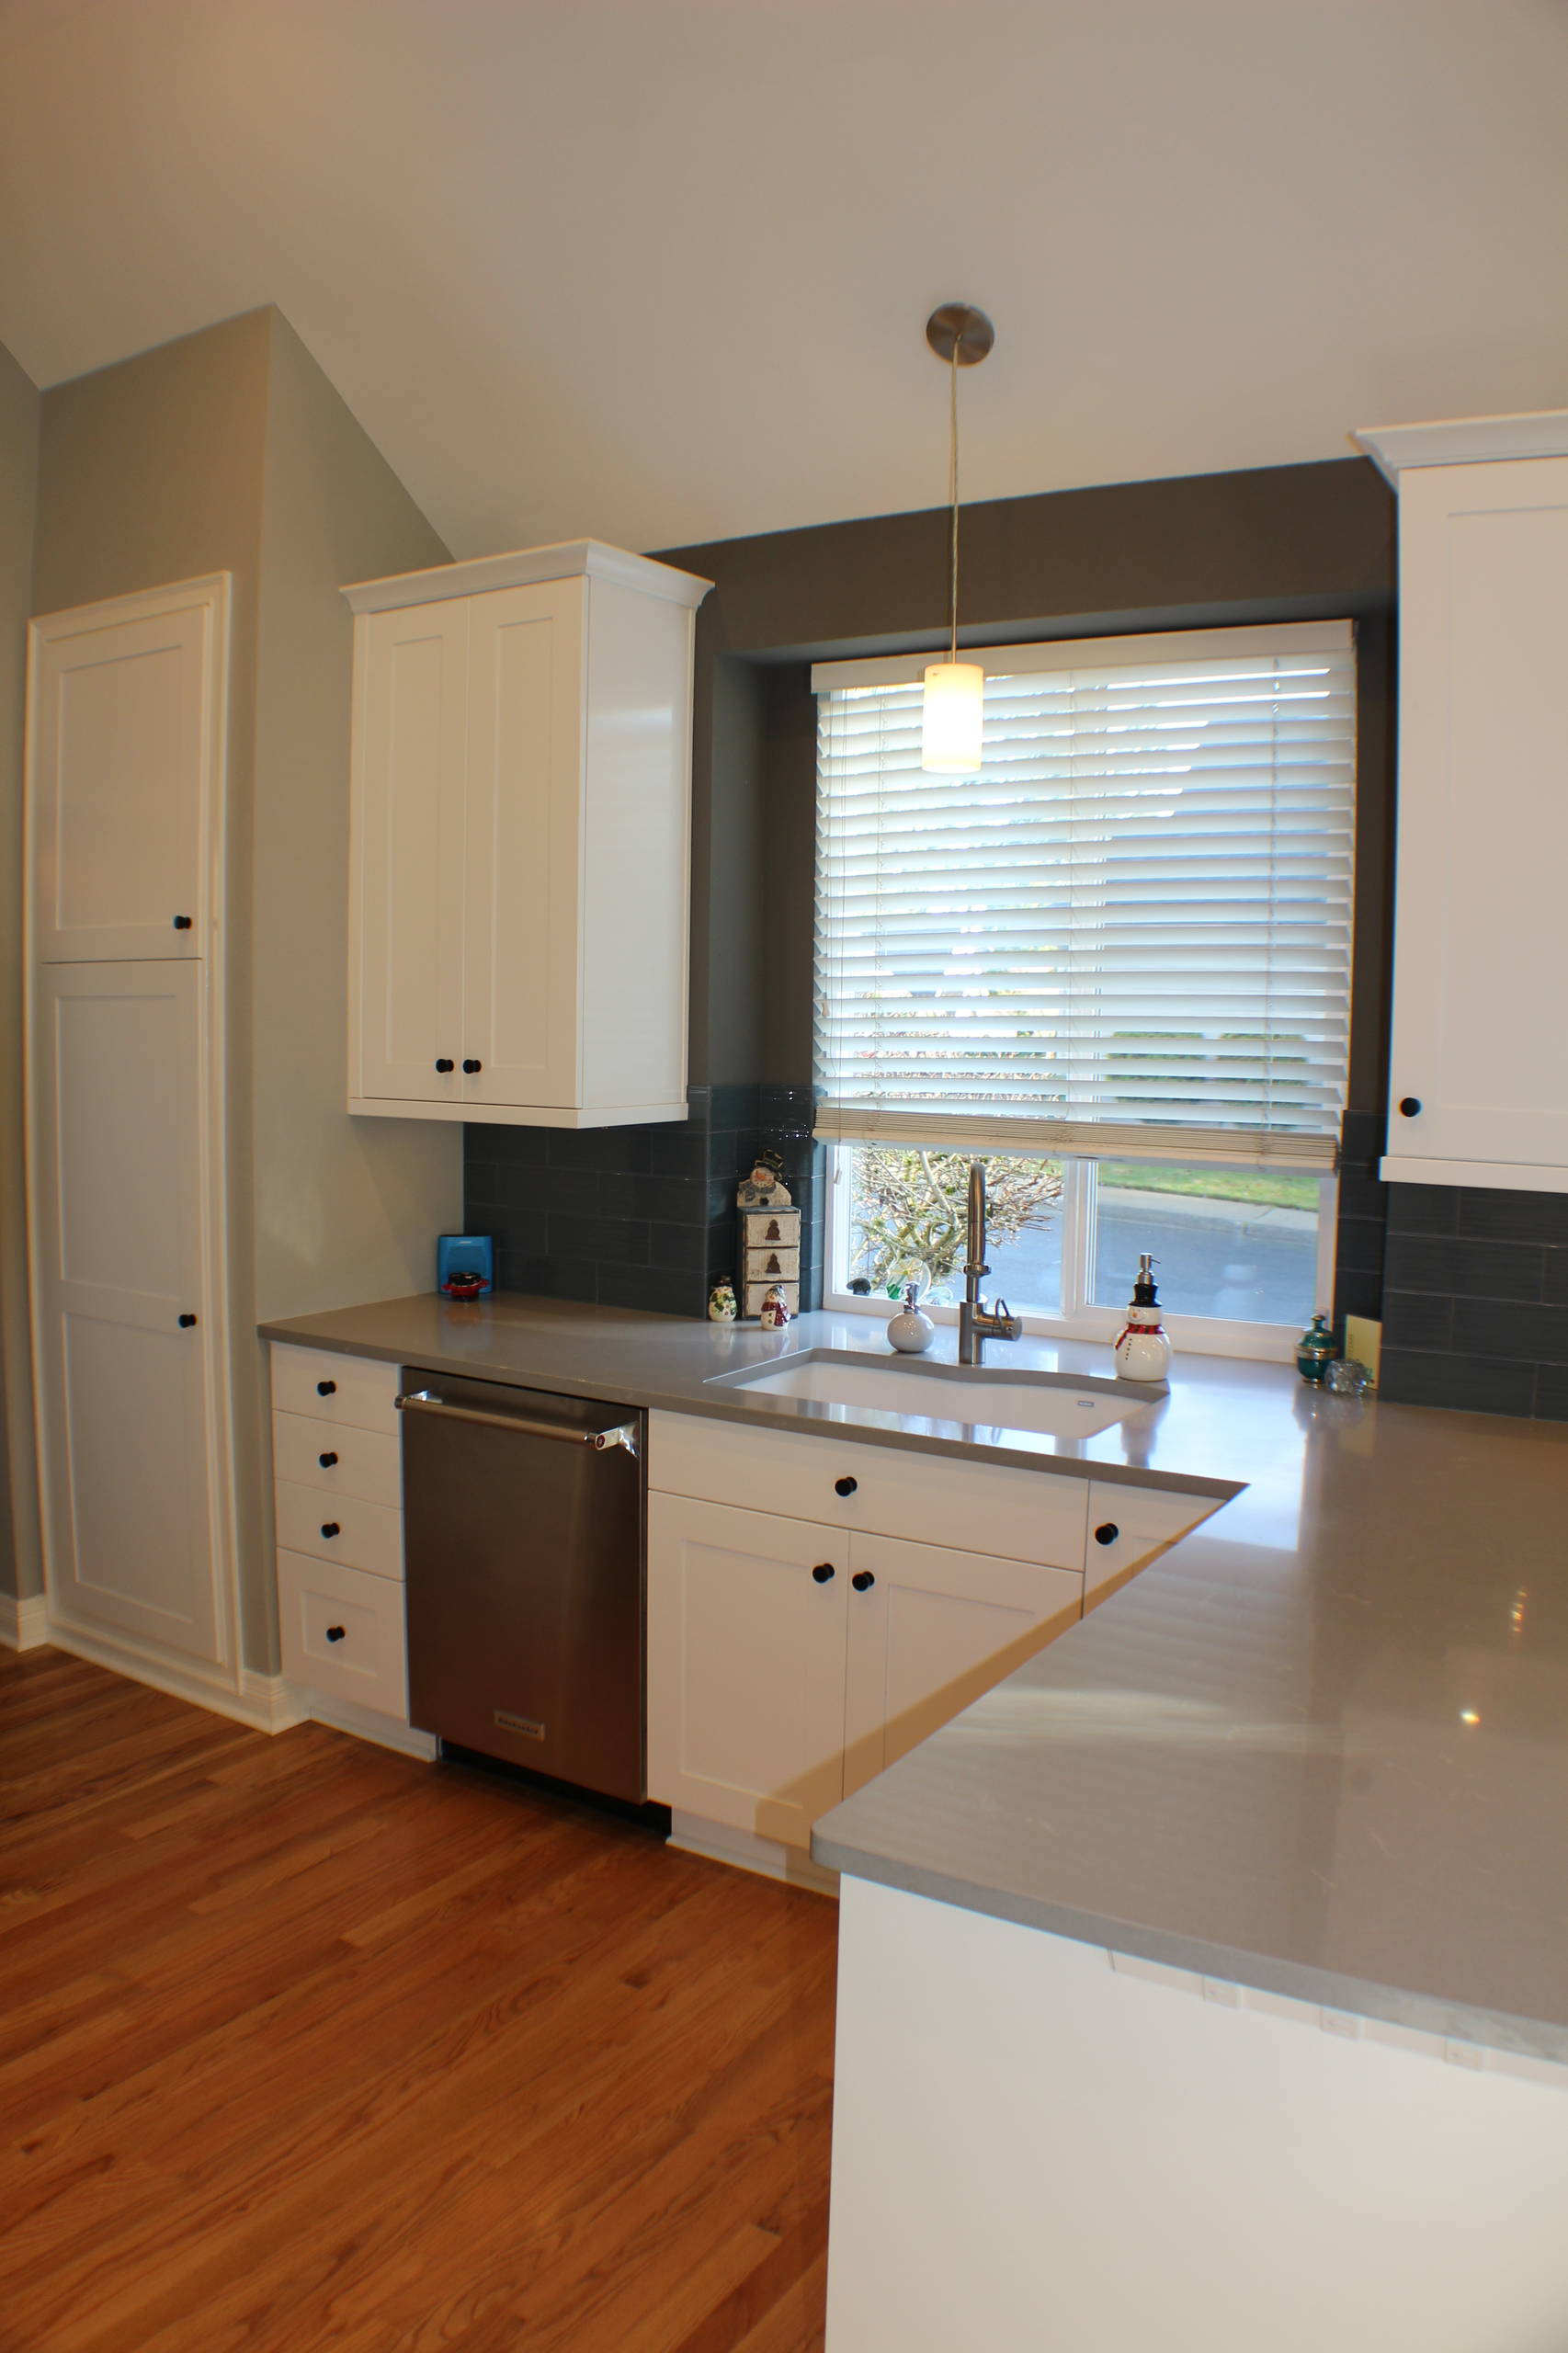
[910, 1331]
[1142, 1351]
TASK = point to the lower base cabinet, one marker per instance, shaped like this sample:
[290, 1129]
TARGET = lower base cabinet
[790, 1661]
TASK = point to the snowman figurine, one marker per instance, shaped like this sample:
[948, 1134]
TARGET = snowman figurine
[765, 1188]
[775, 1313]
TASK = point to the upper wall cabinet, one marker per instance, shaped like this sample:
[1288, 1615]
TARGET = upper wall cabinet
[520, 875]
[1479, 1091]
[126, 749]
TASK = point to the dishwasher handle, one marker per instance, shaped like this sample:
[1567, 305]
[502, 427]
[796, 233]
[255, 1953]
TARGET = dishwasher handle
[425, 1401]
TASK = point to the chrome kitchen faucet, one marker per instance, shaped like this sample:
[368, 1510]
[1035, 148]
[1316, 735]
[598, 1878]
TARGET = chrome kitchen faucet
[978, 1323]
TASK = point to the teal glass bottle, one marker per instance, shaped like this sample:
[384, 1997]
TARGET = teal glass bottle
[1315, 1350]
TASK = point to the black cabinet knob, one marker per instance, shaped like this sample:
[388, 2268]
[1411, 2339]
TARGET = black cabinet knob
[1409, 1106]
[182, 923]
[862, 1580]
[326, 1389]
[844, 1486]
[326, 1460]
[330, 1528]
[471, 1067]
[186, 1321]
[335, 1633]
[445, 1064]
[1108, 1532]
[824, 1573]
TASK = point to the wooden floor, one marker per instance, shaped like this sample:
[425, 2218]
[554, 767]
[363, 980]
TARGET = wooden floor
[306, 2045]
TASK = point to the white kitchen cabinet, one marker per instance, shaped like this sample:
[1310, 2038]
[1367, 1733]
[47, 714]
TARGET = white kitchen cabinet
[788, 1662]
[337, 1499]
[928, 1631]
[1129, 1524]
[883, 1490]
[1479, 1070]
[521, 873]
[126, 739]
[746, 1615]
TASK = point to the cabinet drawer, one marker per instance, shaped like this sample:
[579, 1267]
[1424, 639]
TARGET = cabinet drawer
[1128, 1524]
[359, 1389]
[974, 1507]
[342, 1633]
[363, 1536]
[341, 1462]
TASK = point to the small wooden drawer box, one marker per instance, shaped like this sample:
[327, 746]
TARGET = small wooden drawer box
[767, 1228]
[773, 1264]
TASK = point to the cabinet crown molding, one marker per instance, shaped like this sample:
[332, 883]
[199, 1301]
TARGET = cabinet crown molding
[526, 567]
[1464, 440]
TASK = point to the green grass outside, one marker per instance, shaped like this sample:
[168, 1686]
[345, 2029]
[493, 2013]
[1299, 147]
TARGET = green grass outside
[1217, 1185]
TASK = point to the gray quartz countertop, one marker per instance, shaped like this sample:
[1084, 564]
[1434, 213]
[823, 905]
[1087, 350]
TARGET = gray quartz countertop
[1321, 1745]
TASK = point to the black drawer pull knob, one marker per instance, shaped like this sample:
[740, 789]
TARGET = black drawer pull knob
[335, 1633]
[326, 1460]
[1106, 1532]
[824, 1573]
[326, 1389]
[1409, 1106]
[862, 1580]
[182, 923]
[844, 1486]
[472, 1067]
[186, 1321]
[445, 1064]
[330, 1528]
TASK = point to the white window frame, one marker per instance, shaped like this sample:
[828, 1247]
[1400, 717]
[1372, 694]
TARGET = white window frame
[1080, 1318]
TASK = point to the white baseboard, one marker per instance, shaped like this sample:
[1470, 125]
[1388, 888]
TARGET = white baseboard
[366, 1724]
[769, 1858]
[264, 1701]
[24, 1625]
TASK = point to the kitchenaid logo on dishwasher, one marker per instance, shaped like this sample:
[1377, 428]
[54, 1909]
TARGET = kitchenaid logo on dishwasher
[524, 1724]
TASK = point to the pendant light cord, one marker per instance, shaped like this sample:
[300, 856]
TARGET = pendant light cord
[953, 493]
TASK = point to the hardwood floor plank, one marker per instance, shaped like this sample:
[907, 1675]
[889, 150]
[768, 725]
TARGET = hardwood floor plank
[308, 2045]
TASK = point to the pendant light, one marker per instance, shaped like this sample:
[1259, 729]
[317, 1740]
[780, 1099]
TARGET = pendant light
[952, 714]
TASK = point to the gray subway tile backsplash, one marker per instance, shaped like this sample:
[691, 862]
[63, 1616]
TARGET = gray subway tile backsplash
[1475, 1302]
[636, 1217]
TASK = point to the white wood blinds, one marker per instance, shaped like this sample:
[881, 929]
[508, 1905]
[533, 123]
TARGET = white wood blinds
[1129, 935]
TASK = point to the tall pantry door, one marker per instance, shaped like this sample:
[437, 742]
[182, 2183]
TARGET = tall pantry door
[120, 1231]
[126, 747]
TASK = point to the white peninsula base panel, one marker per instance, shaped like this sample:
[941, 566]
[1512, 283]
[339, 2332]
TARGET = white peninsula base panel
[1034, 2145]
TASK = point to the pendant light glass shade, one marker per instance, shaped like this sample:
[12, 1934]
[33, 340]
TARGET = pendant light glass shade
[952, 718]
[952, 708]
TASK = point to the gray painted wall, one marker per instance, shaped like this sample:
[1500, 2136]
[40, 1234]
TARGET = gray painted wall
[20, 1568]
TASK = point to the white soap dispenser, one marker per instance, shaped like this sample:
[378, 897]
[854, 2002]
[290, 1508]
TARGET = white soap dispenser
[1142, 1351]
[910, 1332]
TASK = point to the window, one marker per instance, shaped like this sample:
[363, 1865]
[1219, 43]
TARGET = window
[1117, 963]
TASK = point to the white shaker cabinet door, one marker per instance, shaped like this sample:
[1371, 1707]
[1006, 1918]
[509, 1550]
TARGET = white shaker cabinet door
[408, 876]
[125, 753]
[1480, 1059]
[931, 1629]
[746, 1666]
[119, 1241]
[524, 933]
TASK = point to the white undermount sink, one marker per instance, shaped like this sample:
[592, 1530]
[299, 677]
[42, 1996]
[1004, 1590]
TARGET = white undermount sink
[1052, 1404]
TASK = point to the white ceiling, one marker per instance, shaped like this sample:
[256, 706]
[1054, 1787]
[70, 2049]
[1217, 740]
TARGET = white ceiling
[658, 270]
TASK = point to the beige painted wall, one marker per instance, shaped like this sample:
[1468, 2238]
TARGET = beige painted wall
[229, 450]
[19, 1570]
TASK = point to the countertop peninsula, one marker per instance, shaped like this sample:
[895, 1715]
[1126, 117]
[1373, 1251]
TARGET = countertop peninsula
[1319, 1746]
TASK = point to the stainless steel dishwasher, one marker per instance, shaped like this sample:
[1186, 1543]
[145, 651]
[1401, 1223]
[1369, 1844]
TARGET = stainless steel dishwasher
[523, 1534]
